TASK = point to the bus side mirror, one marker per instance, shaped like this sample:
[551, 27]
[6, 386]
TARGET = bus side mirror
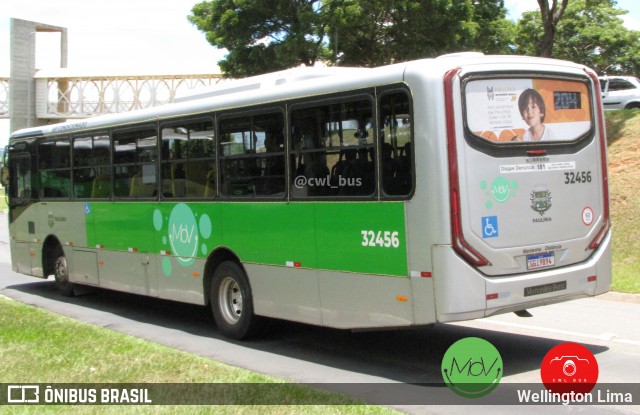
[4, 176]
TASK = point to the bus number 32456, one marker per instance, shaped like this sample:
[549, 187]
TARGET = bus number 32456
[382, 239]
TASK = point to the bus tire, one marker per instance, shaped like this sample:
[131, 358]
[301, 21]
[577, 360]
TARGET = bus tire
[232, 302]
[61, 274]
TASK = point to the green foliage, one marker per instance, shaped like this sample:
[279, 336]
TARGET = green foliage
[495, 32]
[263, 35]
[623, 133]
[591, 32]
[377, 32]
[267, 35]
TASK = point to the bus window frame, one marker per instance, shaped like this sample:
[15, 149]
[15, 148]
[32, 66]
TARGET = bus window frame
[68, 167]
[24, 144]
[92, 135]
[520, 149]
[365, 94]
[181, 122]
[155, 163]
[250, 112]
[14, 198]
[381, 92]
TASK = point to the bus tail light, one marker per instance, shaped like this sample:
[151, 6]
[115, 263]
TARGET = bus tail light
[604, 230]
[536, 153]
[460, 245]
[600, 236]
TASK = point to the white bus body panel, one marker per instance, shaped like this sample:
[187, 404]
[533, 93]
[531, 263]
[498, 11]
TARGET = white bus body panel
[462, 292]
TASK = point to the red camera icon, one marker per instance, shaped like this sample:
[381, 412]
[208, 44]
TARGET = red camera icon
[569, 367]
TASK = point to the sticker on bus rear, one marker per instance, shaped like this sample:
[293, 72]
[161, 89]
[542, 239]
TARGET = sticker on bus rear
[587, 216]
[490, 227]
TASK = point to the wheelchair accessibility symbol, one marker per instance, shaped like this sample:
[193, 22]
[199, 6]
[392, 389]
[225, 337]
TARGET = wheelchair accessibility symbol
[489, 227]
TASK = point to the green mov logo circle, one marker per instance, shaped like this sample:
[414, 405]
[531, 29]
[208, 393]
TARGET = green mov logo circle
[472, 367]
[184, 234]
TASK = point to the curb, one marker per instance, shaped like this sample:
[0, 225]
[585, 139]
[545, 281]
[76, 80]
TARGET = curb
[621, 297]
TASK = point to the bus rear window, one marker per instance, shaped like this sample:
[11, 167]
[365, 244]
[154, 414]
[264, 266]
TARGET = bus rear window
[527, 109]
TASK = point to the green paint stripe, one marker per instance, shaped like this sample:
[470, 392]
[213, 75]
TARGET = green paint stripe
[362, 237]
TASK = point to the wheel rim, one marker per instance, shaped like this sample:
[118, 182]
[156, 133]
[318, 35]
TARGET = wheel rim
[230, 300]
[61, 274]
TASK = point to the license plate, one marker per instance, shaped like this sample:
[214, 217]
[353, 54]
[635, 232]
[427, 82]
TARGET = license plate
[539, 261]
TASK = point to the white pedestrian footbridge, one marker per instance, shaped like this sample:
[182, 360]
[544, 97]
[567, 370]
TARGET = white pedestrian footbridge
[67, 94]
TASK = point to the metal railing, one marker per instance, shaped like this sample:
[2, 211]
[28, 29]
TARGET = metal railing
[4, 97]
[68, 97]
[83, 97]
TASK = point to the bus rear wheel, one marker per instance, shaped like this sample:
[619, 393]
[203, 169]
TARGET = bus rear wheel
[232, 303]
[61, 274]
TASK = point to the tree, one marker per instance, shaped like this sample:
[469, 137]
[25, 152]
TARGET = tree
[550, 15]
[495, 33]
[268, 35]
[377, 32]
[591, 32]
[263, 35]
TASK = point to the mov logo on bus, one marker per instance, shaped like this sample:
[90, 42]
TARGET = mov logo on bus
[472, 367]
[183, 235]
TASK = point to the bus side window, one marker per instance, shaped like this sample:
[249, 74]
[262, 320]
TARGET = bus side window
[397, 144]
[134, 163]
[252, 159]
[333, 152]
[92, 167]
[311, 160]
[20, 178]
[55, 168]
[188, 154]
[273, 163]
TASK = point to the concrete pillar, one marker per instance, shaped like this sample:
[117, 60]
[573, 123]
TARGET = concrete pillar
[22, 91]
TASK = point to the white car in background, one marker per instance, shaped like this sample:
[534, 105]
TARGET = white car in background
[620, 92]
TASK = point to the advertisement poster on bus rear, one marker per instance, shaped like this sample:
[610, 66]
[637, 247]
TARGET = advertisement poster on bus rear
[527, 110]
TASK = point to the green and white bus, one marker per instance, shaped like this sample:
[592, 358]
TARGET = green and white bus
[429, 191]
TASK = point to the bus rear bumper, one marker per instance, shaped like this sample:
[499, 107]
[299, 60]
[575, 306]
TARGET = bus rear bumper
[468, 294]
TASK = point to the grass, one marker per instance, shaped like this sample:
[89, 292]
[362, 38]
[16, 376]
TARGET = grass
[47, 348]
[623, 131]
[3, 200]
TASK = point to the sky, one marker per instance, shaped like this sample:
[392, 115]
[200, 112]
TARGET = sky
[631, 20]
[153, 36]
[121, 34]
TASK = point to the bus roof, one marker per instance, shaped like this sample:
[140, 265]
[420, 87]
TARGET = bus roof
[267, 80]
[289, 84]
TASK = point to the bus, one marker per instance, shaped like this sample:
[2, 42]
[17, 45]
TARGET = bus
[436, 190]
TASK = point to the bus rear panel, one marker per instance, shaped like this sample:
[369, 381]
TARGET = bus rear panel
[528, 190]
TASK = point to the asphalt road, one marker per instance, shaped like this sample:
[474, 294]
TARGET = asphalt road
[607, 325]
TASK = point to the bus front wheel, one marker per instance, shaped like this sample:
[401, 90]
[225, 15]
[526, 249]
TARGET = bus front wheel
[232, 303]
[61, 274]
